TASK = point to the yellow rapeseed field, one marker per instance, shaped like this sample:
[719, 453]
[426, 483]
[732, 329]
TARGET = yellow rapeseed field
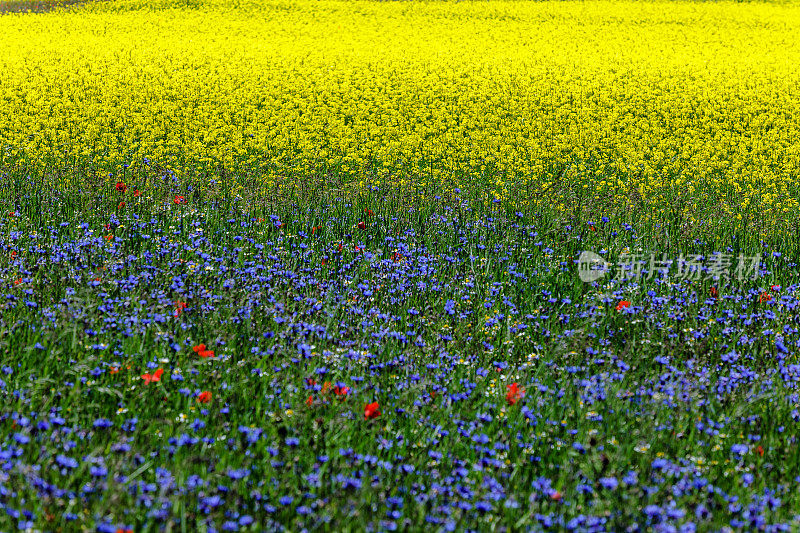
[671, 106]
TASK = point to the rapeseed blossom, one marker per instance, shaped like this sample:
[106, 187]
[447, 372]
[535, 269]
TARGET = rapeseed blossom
[661, 107]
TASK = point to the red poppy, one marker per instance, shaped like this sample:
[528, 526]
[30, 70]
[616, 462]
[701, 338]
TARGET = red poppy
[760, 451]
[17, 281]
[121, 187]
[340, 247]
[623, 304]
[180, 200]
[324, 262]
[341, 391]
[515, 392]
[396, 257]
[155, 376]
[310, 401]
[199, 348]
[114, 369]
[206, 353]
[179, 307]
[713, 292]
[204, 397]
[555, 496]
[121, 205]
[362, 225]
[137, 193]
[326, 387]
[371, 411]
[764, 297]
[368, 212]
[120, 530]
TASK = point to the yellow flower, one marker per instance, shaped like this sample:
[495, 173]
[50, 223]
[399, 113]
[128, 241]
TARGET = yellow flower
[534, 102]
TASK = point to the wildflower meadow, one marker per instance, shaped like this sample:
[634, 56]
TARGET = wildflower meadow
[498, 265]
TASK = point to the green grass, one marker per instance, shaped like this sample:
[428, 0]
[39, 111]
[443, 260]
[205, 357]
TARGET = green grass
[35, 6]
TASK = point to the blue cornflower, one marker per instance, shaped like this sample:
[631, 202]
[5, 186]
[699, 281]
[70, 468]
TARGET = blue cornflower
[609, 483]
[102, 423]
[739, 449]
